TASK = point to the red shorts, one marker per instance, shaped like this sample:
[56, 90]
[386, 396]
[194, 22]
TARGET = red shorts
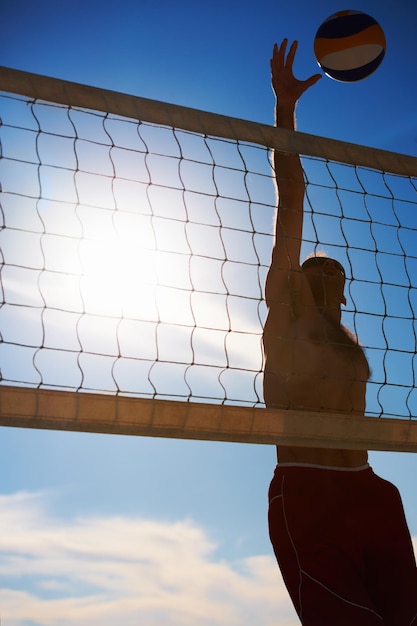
[343, 546]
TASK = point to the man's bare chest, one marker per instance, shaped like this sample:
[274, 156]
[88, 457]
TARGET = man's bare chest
[321, 348]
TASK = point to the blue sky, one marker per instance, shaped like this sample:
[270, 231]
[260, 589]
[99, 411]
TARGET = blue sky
[160, 531]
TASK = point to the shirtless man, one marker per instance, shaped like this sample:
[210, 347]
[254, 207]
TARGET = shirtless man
[338, 530]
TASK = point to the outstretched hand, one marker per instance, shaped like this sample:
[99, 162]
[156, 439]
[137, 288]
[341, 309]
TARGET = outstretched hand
[287, 88]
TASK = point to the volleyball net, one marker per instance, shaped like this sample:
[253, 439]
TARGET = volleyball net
[135, 241]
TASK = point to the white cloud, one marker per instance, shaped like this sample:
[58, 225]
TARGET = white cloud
[127, 570]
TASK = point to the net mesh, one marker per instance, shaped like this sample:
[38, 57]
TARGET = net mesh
[134, 255]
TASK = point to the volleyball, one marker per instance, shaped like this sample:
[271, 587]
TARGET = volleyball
[349, 46]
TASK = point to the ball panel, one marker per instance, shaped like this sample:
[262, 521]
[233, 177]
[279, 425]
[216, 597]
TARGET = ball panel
[351, 59]
[373, 35]
[338, 25]
[355, 74]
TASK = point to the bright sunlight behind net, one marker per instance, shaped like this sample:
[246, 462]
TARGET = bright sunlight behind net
[130, 261]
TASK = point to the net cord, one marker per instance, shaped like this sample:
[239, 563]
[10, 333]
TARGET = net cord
[77, 95]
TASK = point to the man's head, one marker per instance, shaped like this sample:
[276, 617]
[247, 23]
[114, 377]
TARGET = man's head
[327, 280]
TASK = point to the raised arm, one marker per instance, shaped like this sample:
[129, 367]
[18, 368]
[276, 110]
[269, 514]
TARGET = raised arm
[288, 173]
